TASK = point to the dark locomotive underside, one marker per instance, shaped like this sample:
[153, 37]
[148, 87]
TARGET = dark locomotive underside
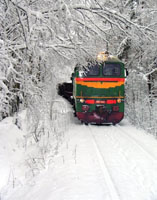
[97, 117]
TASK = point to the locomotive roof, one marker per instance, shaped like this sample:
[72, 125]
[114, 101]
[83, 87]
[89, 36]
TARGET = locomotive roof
[104, 56]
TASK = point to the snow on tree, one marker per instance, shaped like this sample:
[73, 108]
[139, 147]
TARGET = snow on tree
[43, 40]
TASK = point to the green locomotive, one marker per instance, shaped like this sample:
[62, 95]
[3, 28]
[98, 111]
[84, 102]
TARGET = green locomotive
[98, 90]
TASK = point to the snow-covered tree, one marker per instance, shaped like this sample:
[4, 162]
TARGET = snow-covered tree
[44, 39]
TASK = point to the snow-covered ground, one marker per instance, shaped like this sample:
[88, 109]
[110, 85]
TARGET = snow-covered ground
[93, 163]
[12, 153]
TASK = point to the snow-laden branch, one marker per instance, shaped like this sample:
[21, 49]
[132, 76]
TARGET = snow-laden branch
[98, 27]
[3, 86]
[151, 72]
[113, 13]
[112, 22]
[123, 47]
[92, 29]
[24, 10]
[66, 46]
[23, 29]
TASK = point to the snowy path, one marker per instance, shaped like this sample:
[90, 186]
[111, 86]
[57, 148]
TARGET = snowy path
[98, 163]
[131, 165]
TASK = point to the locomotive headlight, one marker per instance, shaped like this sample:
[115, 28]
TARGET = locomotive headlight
[82, 100]
[119, 100]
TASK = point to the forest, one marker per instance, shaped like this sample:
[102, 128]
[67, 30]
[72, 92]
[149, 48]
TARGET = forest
[41, 41]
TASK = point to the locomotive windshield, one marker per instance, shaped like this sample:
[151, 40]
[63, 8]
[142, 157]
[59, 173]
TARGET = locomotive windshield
[91, 70]
[111, 69]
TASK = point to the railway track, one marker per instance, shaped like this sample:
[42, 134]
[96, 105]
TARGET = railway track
[123, 159]
[113, 190]
[127, 135]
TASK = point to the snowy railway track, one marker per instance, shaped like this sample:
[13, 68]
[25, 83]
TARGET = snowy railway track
[123, 159]
[127, 135]
[113, 191]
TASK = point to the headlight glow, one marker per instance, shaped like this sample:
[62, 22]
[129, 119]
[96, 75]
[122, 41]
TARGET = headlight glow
[119, 100]
[82, 100]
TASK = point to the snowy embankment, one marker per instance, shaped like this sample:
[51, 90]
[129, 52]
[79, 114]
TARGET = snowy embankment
[93, 163]
[12, 153]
